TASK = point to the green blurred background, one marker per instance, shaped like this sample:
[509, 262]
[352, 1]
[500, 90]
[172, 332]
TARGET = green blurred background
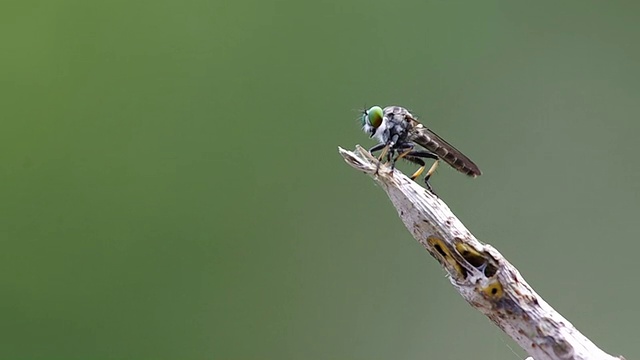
[171, 187]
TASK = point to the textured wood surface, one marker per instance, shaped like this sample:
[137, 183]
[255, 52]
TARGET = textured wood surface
[479, 272]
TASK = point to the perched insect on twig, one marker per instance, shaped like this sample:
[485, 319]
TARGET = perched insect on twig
[398, 133]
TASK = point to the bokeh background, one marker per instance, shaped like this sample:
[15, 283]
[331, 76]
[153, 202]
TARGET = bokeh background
[171, 188]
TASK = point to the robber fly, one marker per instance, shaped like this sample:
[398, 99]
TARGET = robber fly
[398, 133]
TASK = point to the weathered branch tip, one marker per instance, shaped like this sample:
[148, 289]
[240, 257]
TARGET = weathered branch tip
[482, 276]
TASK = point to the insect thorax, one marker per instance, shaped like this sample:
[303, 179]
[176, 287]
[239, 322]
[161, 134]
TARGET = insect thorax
[398, 123]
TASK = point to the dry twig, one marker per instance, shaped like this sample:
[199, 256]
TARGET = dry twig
[478, 271]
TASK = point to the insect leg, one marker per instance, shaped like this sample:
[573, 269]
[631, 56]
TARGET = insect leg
[377, 148]
[416, 160]
[382, 146]
[419, 161]
[432, 169]
[388, 150]
[403, 150]
[391, 145]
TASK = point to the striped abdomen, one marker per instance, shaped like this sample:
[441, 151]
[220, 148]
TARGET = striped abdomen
[449, 154]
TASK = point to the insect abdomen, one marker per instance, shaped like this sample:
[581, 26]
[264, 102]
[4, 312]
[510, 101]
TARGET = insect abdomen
[448, 154]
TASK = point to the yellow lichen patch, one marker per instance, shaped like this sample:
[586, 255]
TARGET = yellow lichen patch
[471, 255]
[494, 290]
[479, 260]
[442, 250]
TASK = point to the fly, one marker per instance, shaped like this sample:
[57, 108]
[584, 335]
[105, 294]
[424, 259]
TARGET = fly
[398, 133]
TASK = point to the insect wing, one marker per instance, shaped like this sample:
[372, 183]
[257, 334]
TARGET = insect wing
[447, 152]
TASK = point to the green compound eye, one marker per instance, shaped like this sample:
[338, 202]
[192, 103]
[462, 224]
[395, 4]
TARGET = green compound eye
[374, 116]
